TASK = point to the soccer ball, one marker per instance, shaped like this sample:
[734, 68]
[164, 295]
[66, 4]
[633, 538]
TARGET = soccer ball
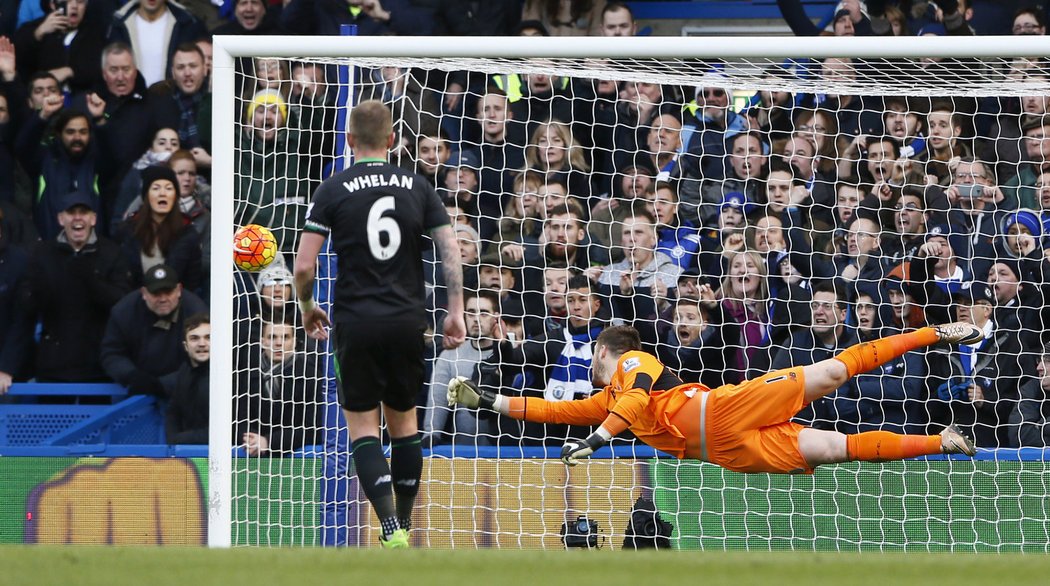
[254, 247]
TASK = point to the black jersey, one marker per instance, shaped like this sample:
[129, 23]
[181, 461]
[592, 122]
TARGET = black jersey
[377, 215]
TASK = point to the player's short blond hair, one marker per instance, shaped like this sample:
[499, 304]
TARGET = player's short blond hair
[371, 124]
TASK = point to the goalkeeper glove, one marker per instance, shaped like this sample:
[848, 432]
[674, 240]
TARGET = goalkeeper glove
[463, 391]
[575, 450]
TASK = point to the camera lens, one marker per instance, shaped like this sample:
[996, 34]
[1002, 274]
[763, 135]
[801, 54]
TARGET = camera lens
[582, 526]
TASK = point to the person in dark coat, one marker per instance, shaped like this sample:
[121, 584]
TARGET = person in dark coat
[128, 21]
[186, 421]
[16, 325]
[277, 395]
[77, 278]
[65, 160]
[697, 345]
[143, 338]
[160, 233]
[324, 17]
[827, 335]
[120, 111]
[66, 42]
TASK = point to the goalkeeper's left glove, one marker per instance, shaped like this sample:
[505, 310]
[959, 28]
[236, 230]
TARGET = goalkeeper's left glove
[575, 450]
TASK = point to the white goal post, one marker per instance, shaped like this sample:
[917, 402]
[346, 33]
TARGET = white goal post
[681, 61]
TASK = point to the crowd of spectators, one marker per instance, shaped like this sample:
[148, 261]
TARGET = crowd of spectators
[738, 233]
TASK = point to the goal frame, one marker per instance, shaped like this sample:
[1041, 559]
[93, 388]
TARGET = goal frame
[226, 49]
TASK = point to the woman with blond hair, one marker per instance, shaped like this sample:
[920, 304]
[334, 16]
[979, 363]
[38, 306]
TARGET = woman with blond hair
[744, 300]
[553, 151]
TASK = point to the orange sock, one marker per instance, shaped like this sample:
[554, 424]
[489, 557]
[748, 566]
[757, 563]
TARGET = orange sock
[864, 357]
[880, 446]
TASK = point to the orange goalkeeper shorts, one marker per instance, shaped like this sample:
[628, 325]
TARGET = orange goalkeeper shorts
[748, 426]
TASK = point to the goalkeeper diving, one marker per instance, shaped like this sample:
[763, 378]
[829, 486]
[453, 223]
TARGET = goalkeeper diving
[742, 427]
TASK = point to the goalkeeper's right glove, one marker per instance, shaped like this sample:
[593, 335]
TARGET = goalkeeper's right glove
[463, 391]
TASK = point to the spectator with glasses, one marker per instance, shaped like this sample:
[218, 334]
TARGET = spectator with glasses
[910, 219]
[1029, 20]
[827, 335]
[977, 211]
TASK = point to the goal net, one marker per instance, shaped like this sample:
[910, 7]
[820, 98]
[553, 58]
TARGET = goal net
[746, 204]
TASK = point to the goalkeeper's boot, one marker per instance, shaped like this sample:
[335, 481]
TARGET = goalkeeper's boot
[954, 441]
[959, 333]
[397, 540]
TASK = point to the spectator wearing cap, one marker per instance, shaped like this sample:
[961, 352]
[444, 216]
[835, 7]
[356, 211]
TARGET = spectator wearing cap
[159, 233]
[1021, 237]
[272, 182]
[78, 276]
[499, 274]
[977, 384]
[1031, 417]
[144, 334]
[708, 125]
[726, 235]
[459, 182]
[848, 20]
[154, 30]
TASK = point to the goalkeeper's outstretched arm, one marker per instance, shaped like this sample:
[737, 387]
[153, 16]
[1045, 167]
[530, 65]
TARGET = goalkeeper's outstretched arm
[593, 410]
[590, 411]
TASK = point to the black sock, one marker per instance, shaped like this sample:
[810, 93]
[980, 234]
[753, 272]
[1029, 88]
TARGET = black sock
[373, 474]
[406, 467]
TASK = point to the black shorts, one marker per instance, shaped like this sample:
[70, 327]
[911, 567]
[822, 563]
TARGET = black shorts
[379, 363]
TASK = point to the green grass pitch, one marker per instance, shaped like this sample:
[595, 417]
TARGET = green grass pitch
[120, 566]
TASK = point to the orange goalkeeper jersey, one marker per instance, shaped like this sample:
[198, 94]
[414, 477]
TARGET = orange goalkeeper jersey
[643, 392]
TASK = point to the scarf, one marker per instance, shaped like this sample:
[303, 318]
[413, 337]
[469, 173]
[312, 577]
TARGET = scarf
[571, 373]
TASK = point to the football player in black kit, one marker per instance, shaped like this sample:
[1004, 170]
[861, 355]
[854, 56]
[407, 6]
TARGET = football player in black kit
[377, 215]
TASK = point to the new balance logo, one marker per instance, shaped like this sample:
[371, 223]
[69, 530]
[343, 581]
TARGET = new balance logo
[382, 479]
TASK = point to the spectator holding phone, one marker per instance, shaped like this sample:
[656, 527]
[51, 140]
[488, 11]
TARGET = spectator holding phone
[63, 43]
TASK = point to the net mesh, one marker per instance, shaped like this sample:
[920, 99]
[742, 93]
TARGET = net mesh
[743, 215]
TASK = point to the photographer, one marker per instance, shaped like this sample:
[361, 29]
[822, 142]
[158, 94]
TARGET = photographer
[977, 211]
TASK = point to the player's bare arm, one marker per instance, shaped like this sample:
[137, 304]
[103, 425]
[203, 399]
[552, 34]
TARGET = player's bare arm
[315, 320]
[455, 330]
